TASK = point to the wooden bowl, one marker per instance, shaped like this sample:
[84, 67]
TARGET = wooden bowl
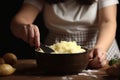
[62, 63]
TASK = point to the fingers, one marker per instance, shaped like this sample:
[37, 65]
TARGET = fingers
[91, 55]
[99, 59]
[37, 37]
[24, 33]
[33, 35]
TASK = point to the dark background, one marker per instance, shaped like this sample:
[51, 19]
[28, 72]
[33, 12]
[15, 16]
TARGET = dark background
[118, 25]
[9, 43]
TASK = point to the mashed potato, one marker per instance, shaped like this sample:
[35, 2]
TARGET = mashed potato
[66, 47]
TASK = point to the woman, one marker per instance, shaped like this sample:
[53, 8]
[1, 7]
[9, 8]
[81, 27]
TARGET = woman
[91, 23]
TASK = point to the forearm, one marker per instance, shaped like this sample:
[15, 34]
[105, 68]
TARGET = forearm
[106, 35]
[26, 15]
[107, 27]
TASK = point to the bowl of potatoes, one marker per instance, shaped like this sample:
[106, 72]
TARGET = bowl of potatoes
[67, 58]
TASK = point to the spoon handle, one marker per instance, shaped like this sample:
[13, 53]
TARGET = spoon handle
[45, 48]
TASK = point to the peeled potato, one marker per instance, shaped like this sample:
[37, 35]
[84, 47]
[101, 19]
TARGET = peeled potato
[6, 69]
[10, 58]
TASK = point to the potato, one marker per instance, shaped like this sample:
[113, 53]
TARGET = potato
[6, 69]
[10, 58]
[2, 61]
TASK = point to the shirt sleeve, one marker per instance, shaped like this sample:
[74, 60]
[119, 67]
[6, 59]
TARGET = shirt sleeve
[105, 3]
[35, 3]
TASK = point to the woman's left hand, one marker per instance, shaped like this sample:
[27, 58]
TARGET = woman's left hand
[97, 58]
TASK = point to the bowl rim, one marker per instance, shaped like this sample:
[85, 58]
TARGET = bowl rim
[80, 53]
[60, 53]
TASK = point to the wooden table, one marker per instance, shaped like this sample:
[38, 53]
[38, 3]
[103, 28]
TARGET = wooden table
[27, 70]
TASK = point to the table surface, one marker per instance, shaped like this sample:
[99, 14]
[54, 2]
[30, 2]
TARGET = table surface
[26, 70]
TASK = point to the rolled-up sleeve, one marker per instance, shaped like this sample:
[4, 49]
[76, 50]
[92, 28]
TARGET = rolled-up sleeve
[36, 3]
[105, 3]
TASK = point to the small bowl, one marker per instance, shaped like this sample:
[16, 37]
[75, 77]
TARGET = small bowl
[62, 63]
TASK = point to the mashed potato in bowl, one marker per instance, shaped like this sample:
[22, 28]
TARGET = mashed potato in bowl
[67, 58]
[66, 47]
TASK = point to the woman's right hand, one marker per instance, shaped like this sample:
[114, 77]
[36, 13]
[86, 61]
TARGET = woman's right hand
[30, 34]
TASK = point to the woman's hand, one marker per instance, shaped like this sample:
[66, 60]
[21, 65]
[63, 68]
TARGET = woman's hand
[30, 34]
[97, 58]
[22, 27]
